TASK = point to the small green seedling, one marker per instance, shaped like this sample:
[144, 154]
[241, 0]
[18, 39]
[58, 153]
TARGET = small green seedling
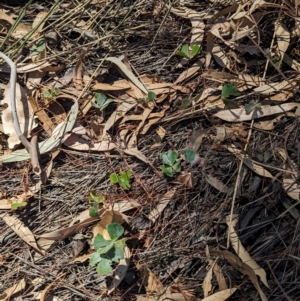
[17, 205]
[253, 104]
[101, 101]
[171, 163]
[263, 157]
[229, 90]
[150, 97]
[38, 47]
[108, 251]
[188, 51]
[95, 201]
[189, 155]
[122, 179]
[49, 94]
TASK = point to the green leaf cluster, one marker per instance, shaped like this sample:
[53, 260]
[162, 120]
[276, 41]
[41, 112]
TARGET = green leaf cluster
[150, 97]
[108, 251]
[122, 179]
[171, 163]
[50, 93]
[188, 51]
[101, 101]
[229, 90]
[95, 201]
[38, 47]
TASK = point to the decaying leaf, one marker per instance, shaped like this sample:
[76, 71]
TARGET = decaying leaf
[220, 296]
[49, 144]
[136, 153]
[253, 165]
[290, 185]
[155, 213]
[283, 37]
[8, 293]
[24, 112]
[238, 115]
[128, 73]
[214, 182]
[206, 285]
[20, 229]
[241, 251]
[220, 57]
[240, 266]
[151, 283]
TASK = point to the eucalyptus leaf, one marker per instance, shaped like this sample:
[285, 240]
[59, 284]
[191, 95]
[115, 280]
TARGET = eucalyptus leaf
[49, 144]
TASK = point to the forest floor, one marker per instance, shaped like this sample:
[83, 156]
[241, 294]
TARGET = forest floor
[169, 125]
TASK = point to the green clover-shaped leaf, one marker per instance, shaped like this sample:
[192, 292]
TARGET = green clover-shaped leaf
[95, 258]
[104, 266]
[100, 242]
[167, 170]
[114, 230]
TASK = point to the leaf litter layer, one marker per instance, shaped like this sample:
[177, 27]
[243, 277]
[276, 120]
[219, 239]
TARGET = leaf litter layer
[223, 77]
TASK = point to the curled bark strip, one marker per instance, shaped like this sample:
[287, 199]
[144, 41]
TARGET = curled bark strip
[31, 147]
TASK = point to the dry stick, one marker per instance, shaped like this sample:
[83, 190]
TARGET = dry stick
[31, 147]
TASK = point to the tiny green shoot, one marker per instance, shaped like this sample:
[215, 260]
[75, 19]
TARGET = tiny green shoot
[150, 97]
[171, 163]
[95, 200]
[38, 47]
[49, 94]
[17, 205]
[229, 90]
[188, 51]
[108, 251]
[100, 101]
[123, 179]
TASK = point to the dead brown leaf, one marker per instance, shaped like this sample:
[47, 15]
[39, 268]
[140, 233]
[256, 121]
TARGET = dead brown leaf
[220, 296]
[8, 293]
[214, 182]
[238, 115]
[241, 251]
[24, 112]
[253, 165]
[241, 267]
[151, 283]
[20, 229]
[155, 213]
